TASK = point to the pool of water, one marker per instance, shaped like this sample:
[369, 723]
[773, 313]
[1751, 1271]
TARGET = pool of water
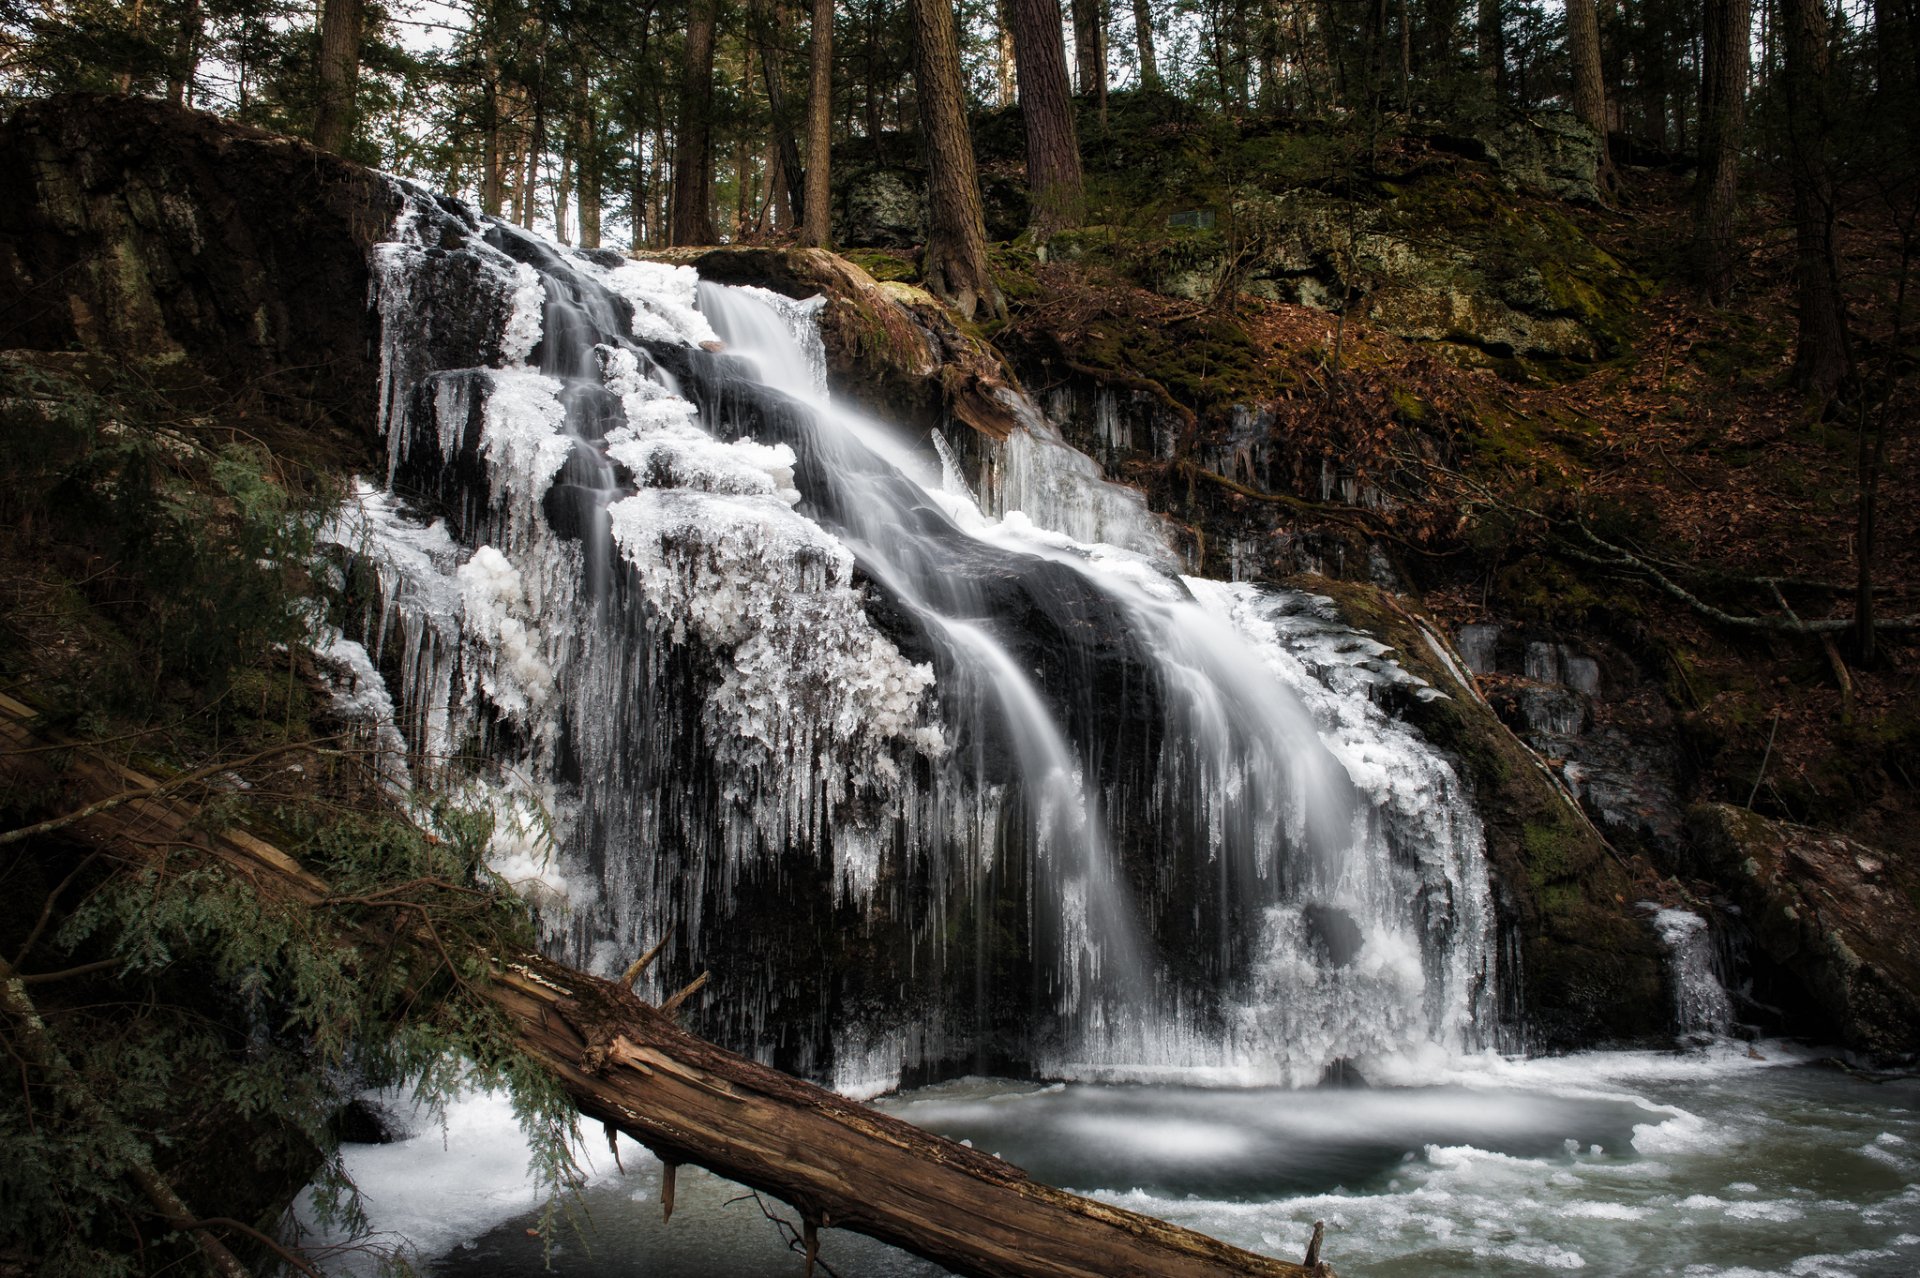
[1721, 1163]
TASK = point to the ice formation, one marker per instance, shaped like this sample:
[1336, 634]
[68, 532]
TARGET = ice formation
[935, 776]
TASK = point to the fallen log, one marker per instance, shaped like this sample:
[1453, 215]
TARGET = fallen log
[840, 1163]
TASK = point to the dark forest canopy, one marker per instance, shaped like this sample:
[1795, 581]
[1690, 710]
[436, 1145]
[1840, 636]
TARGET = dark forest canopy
[694, 121]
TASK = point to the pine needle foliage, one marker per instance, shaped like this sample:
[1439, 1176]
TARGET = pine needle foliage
[154, 561]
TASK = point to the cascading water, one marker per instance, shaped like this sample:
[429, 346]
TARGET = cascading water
[1701, 1007]
[927, 787]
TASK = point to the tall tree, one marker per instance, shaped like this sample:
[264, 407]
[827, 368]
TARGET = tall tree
[588, 163]
[1490, 45]
[955, 264]
[816, 225]
[1046, 107]
[691, 221]
[1727, 35]
[340, 23]
[1143, 44]
[769, 19]
[1821, 358]
[1090, 51]
[1589, 83]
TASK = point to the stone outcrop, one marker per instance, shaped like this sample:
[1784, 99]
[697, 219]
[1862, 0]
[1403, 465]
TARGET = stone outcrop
[173, 238]
[891, 348]
[1836, 922]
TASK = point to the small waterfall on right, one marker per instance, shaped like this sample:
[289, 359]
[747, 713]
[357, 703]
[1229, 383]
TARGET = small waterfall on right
[1701, 1009]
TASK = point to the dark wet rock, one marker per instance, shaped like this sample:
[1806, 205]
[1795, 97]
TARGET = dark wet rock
[1610, 739]
[362, 1121]
[1835, 920]
[1589, 968]
[166, 235]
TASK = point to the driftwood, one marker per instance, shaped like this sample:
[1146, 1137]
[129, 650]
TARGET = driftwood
[628, 1065]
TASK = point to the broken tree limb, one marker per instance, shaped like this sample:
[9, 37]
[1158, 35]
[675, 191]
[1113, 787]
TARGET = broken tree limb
[1621, 559]
[627, 1065]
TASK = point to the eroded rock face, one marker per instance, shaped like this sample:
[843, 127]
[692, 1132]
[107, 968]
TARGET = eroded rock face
[1832, 918]
[881, 208]
[1445, 261]
[167, 235]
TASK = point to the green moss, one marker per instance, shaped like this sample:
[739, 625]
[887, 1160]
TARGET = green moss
[886, 265]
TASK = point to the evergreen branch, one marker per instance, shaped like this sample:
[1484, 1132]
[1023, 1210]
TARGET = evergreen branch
[46, 1053]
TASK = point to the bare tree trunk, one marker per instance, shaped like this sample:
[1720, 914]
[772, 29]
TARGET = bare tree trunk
[563, 187]
[692, 219]
[1143, 44]
[1589, 87]
[638, 198]
[955, 265]
[1821, 360]
[783, 163]
[1005, 81]
[530, 177]
[1490, 45]
[492, 185]
[186, 56]
[587, 165]
[1406, 59]
[340, 24]
[1090, 51]
[816, 211]
[1046, 107]
[1723, 109]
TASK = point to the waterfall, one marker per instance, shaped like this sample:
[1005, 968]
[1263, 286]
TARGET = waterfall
[933, 775]
[1701, 1008]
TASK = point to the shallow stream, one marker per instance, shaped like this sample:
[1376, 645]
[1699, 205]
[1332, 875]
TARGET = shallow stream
[1709, 1164]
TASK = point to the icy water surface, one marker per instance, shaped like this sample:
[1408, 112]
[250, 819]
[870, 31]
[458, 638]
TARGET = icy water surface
[1707, 1165]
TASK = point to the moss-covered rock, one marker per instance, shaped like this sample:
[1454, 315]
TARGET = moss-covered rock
[1591, 970]
[891, 348]
[1833, 917]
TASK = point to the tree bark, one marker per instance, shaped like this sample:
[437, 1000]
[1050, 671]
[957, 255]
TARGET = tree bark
[770, 17]
[1090, 51]
[586, 162]
[186, 56]
[1143, 44]
[816, 212]
[1054, 181]
[1589, 85]
[1727, 36]
[955, 263]
[340, 24]
[1490, 45]
[631, 1067]
[691, 221]
[1821, 358]
[563, 186]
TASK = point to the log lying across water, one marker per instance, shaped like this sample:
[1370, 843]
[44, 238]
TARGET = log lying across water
[843, 1165]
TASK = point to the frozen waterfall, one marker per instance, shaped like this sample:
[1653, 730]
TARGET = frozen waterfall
[929, 787]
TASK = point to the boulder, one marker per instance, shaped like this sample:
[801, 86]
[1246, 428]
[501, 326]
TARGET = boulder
[881, 208]
[172, 237]
[1834, 918]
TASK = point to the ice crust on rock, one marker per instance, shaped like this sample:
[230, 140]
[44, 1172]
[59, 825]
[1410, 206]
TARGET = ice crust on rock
[648, 617]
